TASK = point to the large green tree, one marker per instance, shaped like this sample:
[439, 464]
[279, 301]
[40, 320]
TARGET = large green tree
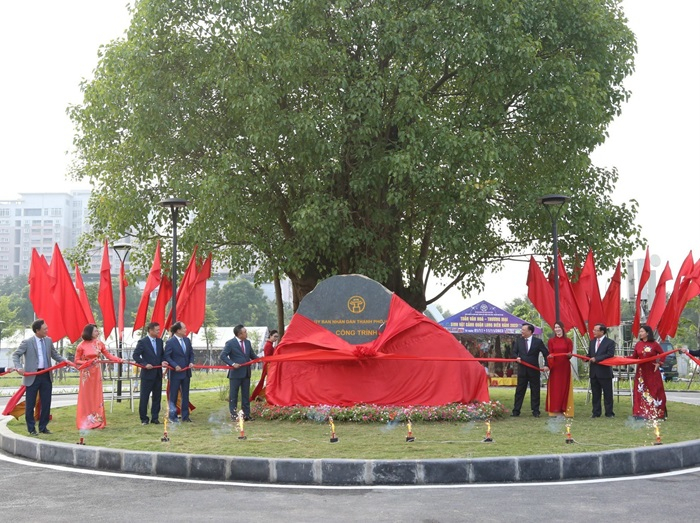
[400, 139]
[241, 302]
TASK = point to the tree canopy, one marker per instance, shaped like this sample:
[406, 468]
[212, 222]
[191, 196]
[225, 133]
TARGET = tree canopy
[399, 139]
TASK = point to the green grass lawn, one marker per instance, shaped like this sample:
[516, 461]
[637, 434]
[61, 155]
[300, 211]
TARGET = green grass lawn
[213, 433]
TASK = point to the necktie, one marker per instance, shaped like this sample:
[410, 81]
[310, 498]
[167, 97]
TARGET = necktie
[597, 344]
[528, 345]
[243, 346]
[182, 344]
[155, 350]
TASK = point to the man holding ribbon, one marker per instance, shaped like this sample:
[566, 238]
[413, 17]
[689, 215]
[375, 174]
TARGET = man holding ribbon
[180, 356]
[238, 351]
[527, 349]
[38, 352]
[149, 353]
[601, 348]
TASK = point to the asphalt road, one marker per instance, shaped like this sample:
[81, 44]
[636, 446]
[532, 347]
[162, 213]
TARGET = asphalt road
[34, 492]
[37, 492]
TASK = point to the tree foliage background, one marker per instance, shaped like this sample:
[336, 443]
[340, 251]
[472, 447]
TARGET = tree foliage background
[400, 139]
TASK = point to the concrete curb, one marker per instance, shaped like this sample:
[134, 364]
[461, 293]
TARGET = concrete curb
[348, 472]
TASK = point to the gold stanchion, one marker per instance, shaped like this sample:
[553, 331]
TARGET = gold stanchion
[165, 430]
[410, 438]
[334, 438]
[241, 422]
[488, 438]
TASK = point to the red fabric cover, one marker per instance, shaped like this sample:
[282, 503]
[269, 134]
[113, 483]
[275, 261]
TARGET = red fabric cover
[374, 373]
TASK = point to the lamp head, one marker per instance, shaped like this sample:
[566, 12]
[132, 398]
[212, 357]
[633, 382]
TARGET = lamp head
[122, 250]
[553, 199]
[173, 203]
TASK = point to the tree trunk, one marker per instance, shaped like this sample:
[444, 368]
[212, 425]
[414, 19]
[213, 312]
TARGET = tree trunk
[278, 302]
[301, 286]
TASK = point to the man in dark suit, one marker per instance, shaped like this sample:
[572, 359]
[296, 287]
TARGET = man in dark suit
[180, 356]
[528, 349]
[601, 348]
[237, 351]
[37, 351]
[149, 353]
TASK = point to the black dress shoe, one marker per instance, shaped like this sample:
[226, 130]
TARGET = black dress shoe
[610, 415]
[144, 423]
[46, 431]
[155, 422]
[33, 433]
[248, 419]
[514, 414]
[536, 414]
[188, 420]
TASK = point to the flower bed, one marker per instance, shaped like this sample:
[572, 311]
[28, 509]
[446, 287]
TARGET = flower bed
[381, 413]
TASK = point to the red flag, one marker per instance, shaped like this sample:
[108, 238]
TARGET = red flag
[195, 309]
[66, 298]
[582, 287]
[657, 308]
[105, 295]
[184, 291]
[595, 311]
[540, 292]
[152, 283]
[40, 296]
[643, 278]
[165, 292]
[669, 319]
[84, 301]
[123, 284]
[686, 268]
[611, 301]
[686, 292]
[570, 313]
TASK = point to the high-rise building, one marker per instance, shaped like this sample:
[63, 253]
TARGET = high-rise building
[39, 220]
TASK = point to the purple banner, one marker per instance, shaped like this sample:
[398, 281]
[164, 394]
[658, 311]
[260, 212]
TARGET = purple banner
[484, 318]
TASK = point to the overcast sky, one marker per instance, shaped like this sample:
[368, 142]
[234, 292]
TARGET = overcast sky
[49, 46]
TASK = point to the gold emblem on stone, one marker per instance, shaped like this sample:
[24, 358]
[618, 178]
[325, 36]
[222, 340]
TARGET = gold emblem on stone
[356, 304]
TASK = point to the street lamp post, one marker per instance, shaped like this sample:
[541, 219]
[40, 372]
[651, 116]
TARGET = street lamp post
[122, 250]
[554, 203]
[174, 204]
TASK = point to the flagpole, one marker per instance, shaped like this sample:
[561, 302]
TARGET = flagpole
[122, 250]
